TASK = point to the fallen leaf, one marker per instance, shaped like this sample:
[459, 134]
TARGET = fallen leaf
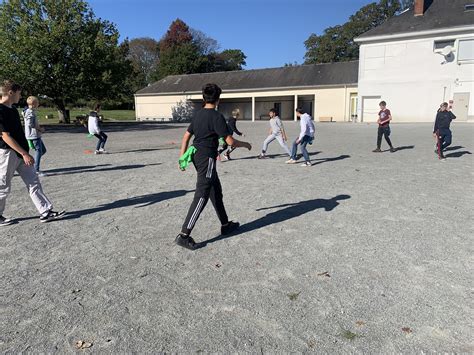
[83, 344]
[293, 296]
[218, 265]
[79, 344]
[407, 330]
[325, 273]
[360, 323]
[349, 335]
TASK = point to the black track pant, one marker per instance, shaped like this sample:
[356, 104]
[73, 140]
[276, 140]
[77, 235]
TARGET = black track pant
[207, 186]
[383, 131]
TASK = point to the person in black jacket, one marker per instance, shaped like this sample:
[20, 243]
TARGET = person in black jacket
[232, 124]
[441, 129]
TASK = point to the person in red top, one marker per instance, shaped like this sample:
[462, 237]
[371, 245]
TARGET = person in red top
[384, 127]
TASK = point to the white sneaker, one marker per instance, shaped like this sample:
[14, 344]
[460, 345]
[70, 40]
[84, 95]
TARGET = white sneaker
[5, 221]
[41, 174]
[307, 163]
[97, 152]
[103, 151]
[291, 161]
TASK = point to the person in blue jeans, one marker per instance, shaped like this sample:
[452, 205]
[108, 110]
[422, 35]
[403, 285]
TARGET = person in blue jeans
[33, 131]
[306, 136]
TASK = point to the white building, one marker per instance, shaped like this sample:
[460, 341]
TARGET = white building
[417, 60]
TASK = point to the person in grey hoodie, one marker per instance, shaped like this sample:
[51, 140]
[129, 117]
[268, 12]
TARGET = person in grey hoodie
[276, 132]
[33, 131]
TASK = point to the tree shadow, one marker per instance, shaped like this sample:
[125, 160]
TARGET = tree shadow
[326, 160]
[137, 201]
[457, 154]
[90, 169]
[290, 211]
[115, 127]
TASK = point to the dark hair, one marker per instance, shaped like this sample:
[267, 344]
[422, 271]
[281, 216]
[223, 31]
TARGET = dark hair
[211, 93]
[9, 85]
[300, 110]
[96, 106]
[444, 104]
[274, 111]
[382, 103]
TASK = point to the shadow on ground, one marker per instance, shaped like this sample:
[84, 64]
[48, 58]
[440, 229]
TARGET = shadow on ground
[114, 127]
[327, 160]
[290, 211]
[92, 169]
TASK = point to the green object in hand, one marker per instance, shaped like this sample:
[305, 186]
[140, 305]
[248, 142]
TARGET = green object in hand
[187, 157]
[221, 141]
[30, 144]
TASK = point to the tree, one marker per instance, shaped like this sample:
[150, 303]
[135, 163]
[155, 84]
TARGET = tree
[337, 44]
[145, 55]
[290, 64]
[206, 45]
[227, 60]
[179, 54]
[59, 49]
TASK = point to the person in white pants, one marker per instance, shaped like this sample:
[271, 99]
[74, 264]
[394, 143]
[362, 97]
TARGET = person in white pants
[14, 156]
[276, 132]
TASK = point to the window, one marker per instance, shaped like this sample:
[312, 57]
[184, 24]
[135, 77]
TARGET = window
[466, 50]
[469, 7]
[439, 45]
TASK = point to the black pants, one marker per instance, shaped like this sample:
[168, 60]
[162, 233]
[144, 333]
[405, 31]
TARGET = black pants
[102, 139]
[445, 138]
[207, 186]
[224, 147]
[383, 131]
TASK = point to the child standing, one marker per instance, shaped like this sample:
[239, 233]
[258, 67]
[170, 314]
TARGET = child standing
[14, 157]
[441, 130]
[306, 137]
[276, 132]
[384, 127]
[95, 129]
[207, 126]
[33, 131]
[232, 124]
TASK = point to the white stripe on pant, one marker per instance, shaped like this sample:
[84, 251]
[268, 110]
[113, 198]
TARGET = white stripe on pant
[9, 163]
[280, 140]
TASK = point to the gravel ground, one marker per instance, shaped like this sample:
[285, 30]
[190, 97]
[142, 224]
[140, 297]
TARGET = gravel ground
[361, 252]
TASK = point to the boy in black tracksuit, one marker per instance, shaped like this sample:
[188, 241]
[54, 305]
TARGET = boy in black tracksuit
[207, 126]
[441, 129]
[232, 124]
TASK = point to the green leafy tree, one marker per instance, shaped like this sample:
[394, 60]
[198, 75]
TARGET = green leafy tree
[337, 44]
[59, 49]
[145, 55]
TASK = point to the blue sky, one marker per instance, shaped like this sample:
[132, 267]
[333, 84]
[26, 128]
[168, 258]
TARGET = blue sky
[270, 32]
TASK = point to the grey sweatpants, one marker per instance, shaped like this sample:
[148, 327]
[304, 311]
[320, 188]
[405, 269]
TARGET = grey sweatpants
[9, 163]
[280, 140]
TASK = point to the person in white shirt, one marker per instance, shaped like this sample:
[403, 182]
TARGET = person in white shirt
[94, 128]
[306, 136]
[276, 132]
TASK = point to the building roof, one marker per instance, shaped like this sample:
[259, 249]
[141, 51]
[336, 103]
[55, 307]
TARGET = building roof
[341, 73]
[439, 14]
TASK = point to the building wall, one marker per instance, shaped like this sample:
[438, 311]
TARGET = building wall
[329, 102]
[412, 78]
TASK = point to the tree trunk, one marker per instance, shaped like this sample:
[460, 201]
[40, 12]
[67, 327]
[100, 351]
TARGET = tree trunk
[63, 113]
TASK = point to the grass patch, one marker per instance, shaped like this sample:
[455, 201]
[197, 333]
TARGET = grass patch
[293, 296]
[347, 334]
[109, 115]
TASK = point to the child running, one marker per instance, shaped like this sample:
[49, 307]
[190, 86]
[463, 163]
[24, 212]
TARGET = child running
[207, 126]
[33, 131]
[276, 132]
[95, 129]
[14, 157]
[232, 124]
[306, 137]
[384, 127]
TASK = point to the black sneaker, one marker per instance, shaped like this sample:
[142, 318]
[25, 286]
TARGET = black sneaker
[5, 221]
[230, 227]
[52, 215]
[186, 241]
[378, 150]
[393, 150]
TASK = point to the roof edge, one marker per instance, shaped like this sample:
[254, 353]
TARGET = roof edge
[362, 39]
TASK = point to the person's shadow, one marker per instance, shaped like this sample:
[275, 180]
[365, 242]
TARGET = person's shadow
[290, 210]
[137, 201]
[92, 169]
[327, 160]
[457, 154]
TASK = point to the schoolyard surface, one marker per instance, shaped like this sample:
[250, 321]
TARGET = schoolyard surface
[361, 252]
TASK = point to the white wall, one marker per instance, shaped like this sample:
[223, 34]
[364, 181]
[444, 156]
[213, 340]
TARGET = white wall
[412, 79]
